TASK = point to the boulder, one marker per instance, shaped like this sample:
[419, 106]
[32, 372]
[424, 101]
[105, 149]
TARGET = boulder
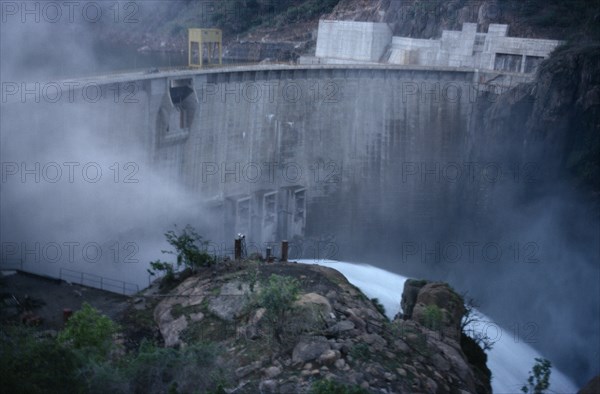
[340, 363]
[268, 386]
[309, 349]
[170, 331]
[344, 325]
[247, 369]
[252, 329]
[227, 307]
[409, 296]
[196, 316]
[272, 372]
[447, 301]
[329, 357]
[317, 301]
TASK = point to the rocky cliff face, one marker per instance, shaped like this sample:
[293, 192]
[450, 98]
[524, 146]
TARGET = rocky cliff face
[428, 18]
[554, 121]
[283, 30]
[565, 117]
[550, 130]
[334, 333]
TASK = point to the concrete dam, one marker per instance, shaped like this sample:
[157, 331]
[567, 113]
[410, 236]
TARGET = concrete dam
[369, 150]
[295, 153]
[336, 159]
[372, 163]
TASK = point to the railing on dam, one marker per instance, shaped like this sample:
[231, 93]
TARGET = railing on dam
[174, 69]
[78, 277]
[99, 282]
[482, 78]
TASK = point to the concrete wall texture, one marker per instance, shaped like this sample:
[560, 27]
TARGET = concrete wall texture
[289, 154]
[466, 48]
[362, 41]
[354, 156]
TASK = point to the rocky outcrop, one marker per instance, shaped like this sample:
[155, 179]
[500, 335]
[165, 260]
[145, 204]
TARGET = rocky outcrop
[437, 307]
[334, 332]
[427, 19]
[409, 296]
[565, 117]
[309, 349]
[257, 51]
[550, 131]
[439, 296]
[427, 302]
[554, 121]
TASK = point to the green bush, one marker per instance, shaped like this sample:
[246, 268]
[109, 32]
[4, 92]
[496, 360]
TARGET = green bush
[192, 368]
[29, 364]
[539, 377]
[32, 364]
[89, 331]
[154, 369]
[378, 305]
[433, 317]
[360, 351]
[277, 296]
[190, 249]
[160, 266]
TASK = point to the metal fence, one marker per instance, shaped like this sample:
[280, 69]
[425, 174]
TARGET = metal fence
[99, 282]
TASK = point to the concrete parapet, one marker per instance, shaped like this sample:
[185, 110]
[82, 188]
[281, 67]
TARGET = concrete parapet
[360, 41]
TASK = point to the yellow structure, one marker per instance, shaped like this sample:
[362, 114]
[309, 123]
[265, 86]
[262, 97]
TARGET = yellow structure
[201, 41]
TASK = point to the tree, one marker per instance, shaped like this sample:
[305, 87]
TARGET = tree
[167, 268]
[278, 297]
[31, 363]
[539, 377]
[190, 250]
[471, 319]
[89, 331]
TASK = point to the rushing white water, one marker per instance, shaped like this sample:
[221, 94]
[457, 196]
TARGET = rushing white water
[510, 361]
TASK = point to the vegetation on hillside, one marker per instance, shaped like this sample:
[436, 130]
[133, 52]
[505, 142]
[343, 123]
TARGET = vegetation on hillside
[539, 377]
[278, 297]
[86, 358]
[573, 20]
[91, 354]
[190, 251]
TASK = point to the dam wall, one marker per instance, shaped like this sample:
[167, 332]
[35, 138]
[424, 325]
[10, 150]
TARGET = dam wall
[317, 153]
[353, 156]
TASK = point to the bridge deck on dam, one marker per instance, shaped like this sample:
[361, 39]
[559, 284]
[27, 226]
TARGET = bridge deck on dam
[122, 77]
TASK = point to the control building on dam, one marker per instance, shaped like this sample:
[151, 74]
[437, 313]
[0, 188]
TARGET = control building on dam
[356, 154]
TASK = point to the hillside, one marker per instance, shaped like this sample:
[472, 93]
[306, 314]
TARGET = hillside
[249, 327]
[283, 30]
[332, 331]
